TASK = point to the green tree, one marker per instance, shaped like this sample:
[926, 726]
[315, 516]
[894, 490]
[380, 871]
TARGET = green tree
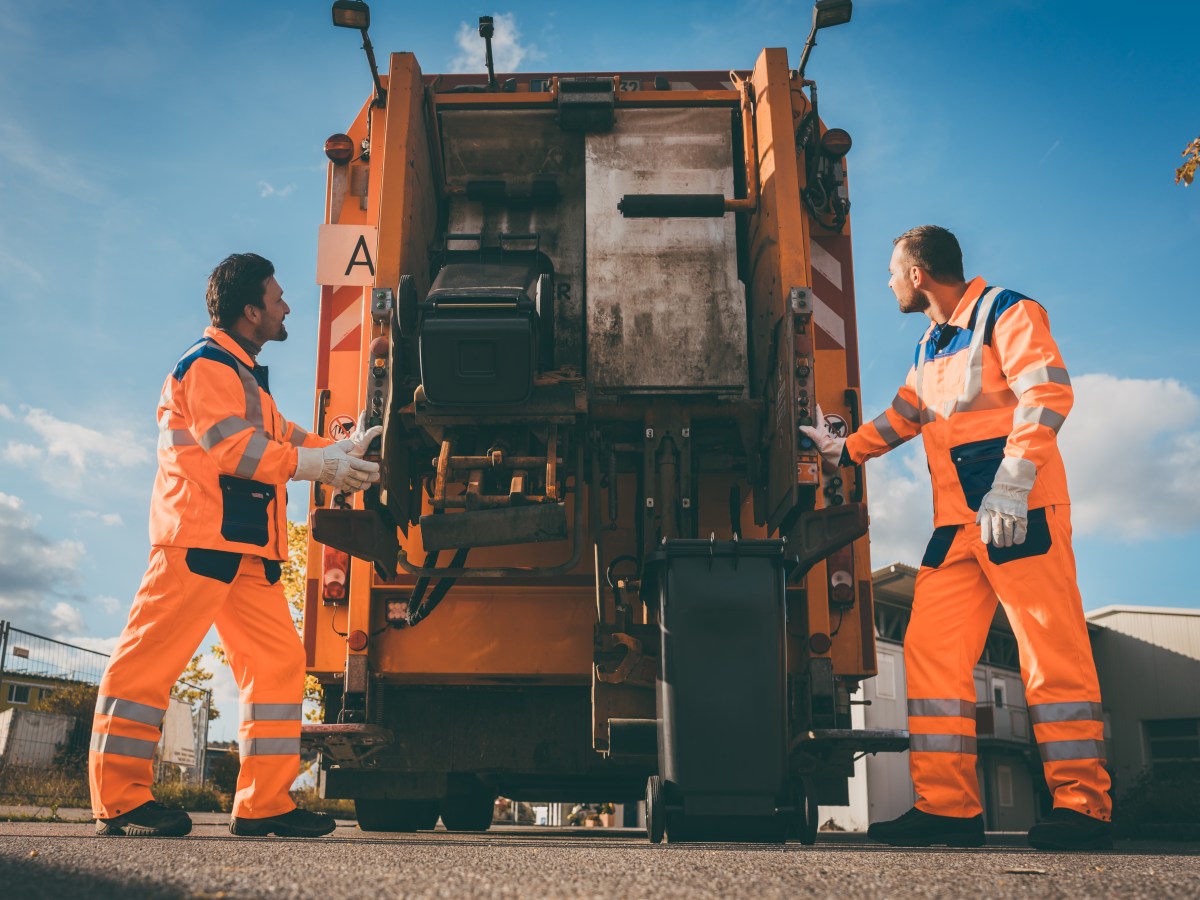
[196, 687]
[1187, 171]
[79, 702]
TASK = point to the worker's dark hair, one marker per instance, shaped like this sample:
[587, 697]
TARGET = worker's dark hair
[237, 282]
[934, 249]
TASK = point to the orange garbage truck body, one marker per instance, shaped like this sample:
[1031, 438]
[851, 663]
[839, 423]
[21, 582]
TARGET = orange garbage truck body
[590, 312]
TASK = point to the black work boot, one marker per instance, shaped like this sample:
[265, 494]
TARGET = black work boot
[148, 820]
[1065, 829]
[921, 829]
[297, 823]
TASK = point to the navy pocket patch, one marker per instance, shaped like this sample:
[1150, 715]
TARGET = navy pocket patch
[221, 565]
[1037, 541]
[939, 546]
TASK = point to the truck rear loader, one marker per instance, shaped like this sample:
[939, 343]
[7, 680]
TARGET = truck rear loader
[590, 311]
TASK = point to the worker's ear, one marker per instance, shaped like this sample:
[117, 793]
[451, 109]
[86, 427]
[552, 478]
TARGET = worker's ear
[918, 277]
[252, 313]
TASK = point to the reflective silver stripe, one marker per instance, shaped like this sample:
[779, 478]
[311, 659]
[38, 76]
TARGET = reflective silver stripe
[122, 746]
[886, 431]
[175, 437]
[1068, 711]
[1057, 751]
[928, 414]
[254, 410]
[1004, 399]
[941, 743]
[907, 411]
[298, 436]
[127, 709]
[964, 708]
[1038, 415]
[920, 367]
[226, 428]
[272, 712]
[271, 747]
[973, 383]
[251, 456]
[1040, 375]
[1016, 472]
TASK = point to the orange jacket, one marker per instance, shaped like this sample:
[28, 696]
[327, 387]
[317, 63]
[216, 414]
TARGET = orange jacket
[988, 391]
[224, 455]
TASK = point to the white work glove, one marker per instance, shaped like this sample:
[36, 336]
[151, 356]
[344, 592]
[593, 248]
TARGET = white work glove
[336, 466]
[1003, 517]
[828, 444]
[362, 436]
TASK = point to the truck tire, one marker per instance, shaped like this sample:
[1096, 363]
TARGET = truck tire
[377, 814]
[468, 812]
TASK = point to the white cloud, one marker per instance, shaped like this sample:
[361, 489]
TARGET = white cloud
[65, 620]
[900, 501]
[100, 645]
[36, 157]
[6, 413]
[110, 605]
[1132, 450]
[112, 519]
[507, 50]
[34, 569]
[267, 189]
[66, 450]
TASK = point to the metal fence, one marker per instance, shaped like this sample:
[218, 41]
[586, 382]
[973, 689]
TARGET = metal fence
[43, 755]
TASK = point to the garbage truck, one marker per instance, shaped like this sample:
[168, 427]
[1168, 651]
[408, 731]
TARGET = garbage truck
[590, 311]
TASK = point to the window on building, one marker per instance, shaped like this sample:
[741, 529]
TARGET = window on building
[999, 693]
[18, 694]
[1004, 785]
[1173, 746]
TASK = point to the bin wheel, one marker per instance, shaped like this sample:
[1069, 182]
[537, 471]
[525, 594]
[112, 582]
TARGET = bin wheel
[404, 313]
[379, 814]
[807, 814]
[469, 812]
[656, 818]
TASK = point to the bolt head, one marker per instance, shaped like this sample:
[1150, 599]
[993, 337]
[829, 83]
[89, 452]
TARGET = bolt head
[649, 432]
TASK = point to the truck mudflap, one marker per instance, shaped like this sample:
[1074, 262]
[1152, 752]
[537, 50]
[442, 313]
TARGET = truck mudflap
[363, 533]
[346, 745]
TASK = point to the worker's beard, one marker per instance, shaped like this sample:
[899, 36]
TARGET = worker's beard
[913, 303]
[282, 334]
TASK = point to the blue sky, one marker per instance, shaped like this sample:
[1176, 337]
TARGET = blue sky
[141, 142]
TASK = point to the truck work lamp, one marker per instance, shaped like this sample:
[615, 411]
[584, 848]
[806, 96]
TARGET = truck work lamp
[826, 14]
[356, 14]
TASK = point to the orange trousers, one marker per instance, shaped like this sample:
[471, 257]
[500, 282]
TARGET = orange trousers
[959, 583]
[184, 593]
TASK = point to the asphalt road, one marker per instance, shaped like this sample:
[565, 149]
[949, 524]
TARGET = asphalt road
[64, 861]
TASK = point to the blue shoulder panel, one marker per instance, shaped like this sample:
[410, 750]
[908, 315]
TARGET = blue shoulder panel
[1005, 300]
[204, 349]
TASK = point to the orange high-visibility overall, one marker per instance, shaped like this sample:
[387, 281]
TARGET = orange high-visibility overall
[988, 392]
[218, 532]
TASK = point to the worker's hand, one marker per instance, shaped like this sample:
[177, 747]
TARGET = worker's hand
[335, 466]
[362, 437]
[1003, 516]
[828, 444]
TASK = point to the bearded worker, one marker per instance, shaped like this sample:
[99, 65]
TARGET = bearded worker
[988, 392]
[218, 534]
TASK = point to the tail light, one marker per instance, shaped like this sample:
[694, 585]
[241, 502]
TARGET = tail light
[335, 574]
[836, 143]
[840, 566]
[339, 148]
